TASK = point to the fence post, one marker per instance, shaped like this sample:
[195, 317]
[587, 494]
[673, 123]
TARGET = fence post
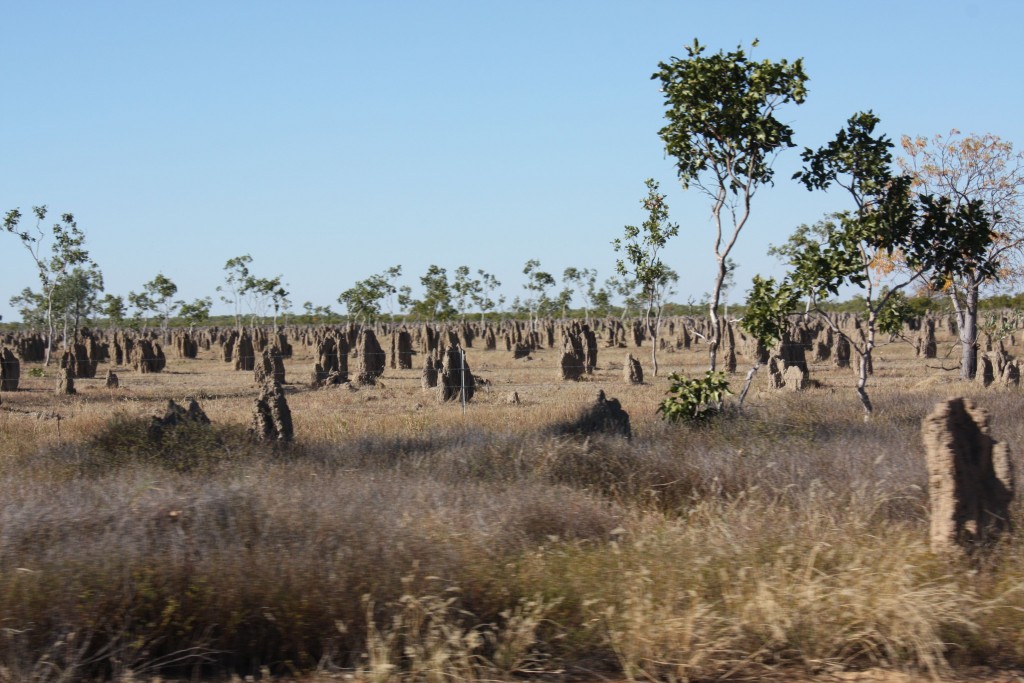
[462, 356]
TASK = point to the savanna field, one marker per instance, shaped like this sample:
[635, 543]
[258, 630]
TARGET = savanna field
[397, 538]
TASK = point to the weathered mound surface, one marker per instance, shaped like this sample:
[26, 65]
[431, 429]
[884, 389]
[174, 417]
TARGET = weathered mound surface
[272, 418]
[970, 477]
[454, 376]
[175, 416]
[10, 370]
[604, 416]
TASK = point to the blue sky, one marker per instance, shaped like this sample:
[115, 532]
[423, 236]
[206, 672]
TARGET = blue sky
[332, 140]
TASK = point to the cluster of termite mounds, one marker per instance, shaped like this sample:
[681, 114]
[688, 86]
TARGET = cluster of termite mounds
[395, 345]
[359, 355]
[271, 419]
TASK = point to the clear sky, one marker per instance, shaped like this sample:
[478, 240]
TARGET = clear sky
[332, 140]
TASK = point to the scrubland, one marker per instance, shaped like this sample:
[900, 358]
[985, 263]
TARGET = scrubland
[401, 539]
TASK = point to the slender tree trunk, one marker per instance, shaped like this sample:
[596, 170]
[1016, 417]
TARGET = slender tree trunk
[49, 329]
[716, 297]
[862, 384]
[967, 330]
[865, 368]
[647, 330]
[747, 382]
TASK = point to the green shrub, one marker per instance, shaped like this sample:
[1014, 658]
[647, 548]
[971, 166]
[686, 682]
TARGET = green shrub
[694, 399]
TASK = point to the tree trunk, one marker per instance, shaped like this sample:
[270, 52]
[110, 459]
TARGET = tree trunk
[866, 367]
[747, 382]
[654, 342]
[49, 329]
[967, 330]
[716, 299]
[862, 384]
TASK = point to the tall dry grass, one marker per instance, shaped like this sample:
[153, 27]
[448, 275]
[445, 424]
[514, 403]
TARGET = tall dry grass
[399, 540]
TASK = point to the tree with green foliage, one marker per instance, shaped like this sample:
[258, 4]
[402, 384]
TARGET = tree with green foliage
[436, 303]
[973, 168]
[391, 275]
[157, 297]
[724, 134]
[931, 236]
[74, 299]
[141, 306]
[581, 282]
[195, 312]
[78, 297]
[694, 399]
[642, 247]
[242, 287]
[113, 309]
[31, 306]
[261, 293]
[766, 319]
[66, 251]
[236, 275]
[623, 288]
[562, 302]
[482, 297]
[466, 290]
[317, 314]
[601, 300]
[538, 282]
[363, 299]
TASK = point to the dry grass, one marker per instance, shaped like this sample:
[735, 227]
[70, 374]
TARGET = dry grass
[399, 539]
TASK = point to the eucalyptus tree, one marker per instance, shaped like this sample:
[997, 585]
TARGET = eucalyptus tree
[195, 312]
[78, 297]
[53, 265]
[74, 299]
[482, 296]
[766, 319]
[601, 300]
[436, 301]
[363, 300]
[112, 307]
[242, 287]
[157, 296]
[932, 237]
[466, 289]
[967, 168]
[317, 314]
[261, 293]
[642, 247]
[538, 282]
[31, 306]
[582, 282]
[724, 134]
[236, 275]
[624, 288]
